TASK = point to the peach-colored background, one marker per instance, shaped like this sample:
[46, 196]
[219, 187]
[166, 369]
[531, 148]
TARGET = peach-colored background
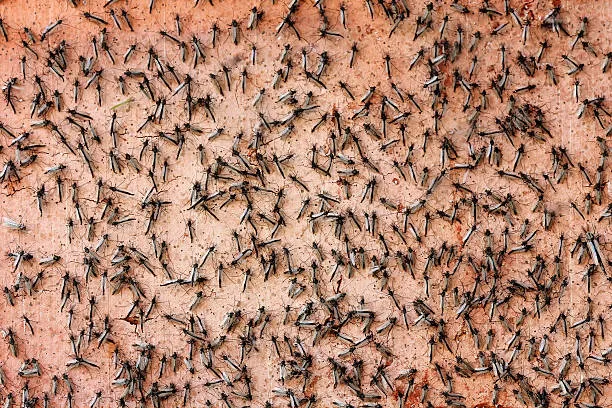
[47, 235]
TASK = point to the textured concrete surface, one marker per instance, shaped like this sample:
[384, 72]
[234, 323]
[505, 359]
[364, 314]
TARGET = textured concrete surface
[47, 234]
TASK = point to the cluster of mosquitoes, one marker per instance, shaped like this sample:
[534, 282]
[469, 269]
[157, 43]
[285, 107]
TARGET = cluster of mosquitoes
[315, 203]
